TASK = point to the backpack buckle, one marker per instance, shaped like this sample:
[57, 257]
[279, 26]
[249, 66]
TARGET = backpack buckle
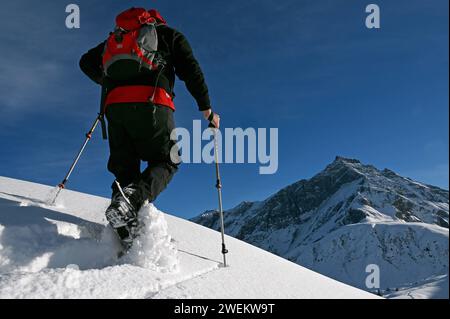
[118, 35]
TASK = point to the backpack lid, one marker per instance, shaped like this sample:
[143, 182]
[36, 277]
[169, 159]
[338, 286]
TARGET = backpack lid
[133, 18]
[155, 14]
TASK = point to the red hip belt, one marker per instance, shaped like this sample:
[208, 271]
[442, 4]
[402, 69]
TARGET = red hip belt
[139, 94]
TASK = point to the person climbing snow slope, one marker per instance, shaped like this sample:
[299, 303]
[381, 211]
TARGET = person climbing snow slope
[136, 66]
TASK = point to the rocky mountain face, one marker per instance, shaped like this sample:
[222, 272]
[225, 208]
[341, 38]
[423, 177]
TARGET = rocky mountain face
[349, 216]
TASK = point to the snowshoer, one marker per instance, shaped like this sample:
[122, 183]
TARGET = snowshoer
[136, 66]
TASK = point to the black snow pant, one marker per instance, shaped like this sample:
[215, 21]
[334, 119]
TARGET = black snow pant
[141, 132]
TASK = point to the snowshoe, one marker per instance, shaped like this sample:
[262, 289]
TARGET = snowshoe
[127, 235]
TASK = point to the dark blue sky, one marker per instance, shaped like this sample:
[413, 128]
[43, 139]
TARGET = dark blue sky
[309, 68]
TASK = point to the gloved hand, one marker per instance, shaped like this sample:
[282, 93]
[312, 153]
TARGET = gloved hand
[212, 118]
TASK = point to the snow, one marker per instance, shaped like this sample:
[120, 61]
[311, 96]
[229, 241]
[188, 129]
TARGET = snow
[66, 251]
[155, 250]
[422, 245]
[436, 286]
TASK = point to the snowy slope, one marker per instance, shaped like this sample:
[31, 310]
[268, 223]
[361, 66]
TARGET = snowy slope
[346, 217]
[67, 252]
[436, 286]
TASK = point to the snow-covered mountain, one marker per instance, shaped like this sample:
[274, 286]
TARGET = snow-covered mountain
[65, 251]
[348, 216]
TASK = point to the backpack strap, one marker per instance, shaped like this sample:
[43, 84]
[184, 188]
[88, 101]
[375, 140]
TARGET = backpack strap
[101, 114]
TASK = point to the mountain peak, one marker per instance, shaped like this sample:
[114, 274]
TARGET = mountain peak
[347, 214]
[341, 159]
[353, 167]
[389, 173]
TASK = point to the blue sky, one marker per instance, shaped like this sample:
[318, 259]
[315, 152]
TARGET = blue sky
[309, 68]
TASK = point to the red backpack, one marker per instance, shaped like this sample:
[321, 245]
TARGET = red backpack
[133, 45]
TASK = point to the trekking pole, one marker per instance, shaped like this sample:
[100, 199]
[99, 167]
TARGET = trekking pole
[219, 193]
[99, 118]
[62, 185]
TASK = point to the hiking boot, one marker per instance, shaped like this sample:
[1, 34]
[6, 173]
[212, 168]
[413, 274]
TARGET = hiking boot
[121, 211]
[126, 203]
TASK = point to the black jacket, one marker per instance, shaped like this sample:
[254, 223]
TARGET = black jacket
[176, 51]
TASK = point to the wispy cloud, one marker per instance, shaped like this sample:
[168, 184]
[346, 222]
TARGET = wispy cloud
[25, 83]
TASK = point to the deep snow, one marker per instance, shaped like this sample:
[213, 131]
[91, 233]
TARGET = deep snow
[65, 251]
